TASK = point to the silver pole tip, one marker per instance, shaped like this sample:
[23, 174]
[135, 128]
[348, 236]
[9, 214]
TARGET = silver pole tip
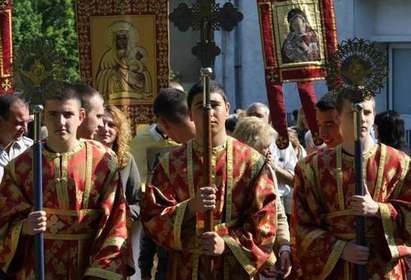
[358, 107]
[208, 71]
[37, 108]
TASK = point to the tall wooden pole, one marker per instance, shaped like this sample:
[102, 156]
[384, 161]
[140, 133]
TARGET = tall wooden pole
[206, 74]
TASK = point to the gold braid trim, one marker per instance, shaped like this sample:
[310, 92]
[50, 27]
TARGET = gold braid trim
[114, 241]
[57, 178]
[74, 213]
[165, 163]
[339, 177]
[406, 165]
[102, 273]
[309, 238]
[178, 222]
[316, 182]
[112, 172]
[347, 274]
[240, 255]
[223, 226]
[64, 182]
[380, 172]
[195, 260]
[271, 260]
[333, 259]
[68, 236]
[230, 181]
[388, 229]
[88, 183]
[190, 169]
[313, 178]
[15, 237]
[105, 189]
[346, 212]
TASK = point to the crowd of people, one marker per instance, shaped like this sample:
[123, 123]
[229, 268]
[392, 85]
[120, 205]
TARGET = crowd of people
[117, 206]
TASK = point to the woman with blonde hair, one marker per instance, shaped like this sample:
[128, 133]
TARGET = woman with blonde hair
[259, 135]
[115, 134]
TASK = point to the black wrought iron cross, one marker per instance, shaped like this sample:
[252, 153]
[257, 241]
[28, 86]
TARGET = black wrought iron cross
[206, 16]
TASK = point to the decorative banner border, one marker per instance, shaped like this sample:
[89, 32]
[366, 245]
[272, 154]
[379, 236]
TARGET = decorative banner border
[6, 51]
[273, 19]
[92, 13]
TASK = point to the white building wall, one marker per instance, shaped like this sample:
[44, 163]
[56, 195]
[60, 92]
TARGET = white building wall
[240, 68]
[384, 21]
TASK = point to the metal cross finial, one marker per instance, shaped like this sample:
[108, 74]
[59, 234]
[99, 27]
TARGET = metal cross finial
[206, 16]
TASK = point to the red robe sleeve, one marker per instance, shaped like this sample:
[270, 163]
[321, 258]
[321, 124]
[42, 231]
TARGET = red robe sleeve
[107, 258]
[316, 251]
[163, 213]
[395, 207]
[251, 241]
[15, 207]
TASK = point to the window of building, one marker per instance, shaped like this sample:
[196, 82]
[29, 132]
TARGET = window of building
[399, 94]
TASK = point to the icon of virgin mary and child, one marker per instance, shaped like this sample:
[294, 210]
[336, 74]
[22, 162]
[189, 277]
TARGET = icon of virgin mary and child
[301, 44]
[122, 71]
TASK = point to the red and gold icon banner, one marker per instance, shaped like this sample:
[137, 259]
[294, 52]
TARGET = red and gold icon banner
[124, 52]
[298, 36]
[6, 45]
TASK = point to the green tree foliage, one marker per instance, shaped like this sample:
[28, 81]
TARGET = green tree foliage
[49, 20]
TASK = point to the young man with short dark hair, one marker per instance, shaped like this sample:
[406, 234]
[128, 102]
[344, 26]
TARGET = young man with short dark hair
[173, 124]
[171, 111]
[328, 120]
[326, 207]
[84, 214]
[241, 198]
[93, 104]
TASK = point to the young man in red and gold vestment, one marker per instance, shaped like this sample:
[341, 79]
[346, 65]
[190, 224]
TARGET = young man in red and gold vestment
[84, 214]
[242, 199]
[326, 207]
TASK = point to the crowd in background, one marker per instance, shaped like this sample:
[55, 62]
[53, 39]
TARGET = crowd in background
[138, 156]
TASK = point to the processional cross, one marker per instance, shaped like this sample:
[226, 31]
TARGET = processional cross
[206, 16]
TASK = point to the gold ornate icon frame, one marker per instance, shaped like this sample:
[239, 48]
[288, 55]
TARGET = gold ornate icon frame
[358, 66]
[144, 71]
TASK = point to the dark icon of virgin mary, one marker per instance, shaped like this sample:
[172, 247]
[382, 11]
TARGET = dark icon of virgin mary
[301, 44]
[122, 69]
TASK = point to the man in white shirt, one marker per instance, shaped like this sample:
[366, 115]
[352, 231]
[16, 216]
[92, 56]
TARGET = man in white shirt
[93, 103]
[14, 119]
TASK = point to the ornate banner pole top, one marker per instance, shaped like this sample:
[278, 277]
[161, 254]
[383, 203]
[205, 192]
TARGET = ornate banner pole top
[358, 68]
[206, 16]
